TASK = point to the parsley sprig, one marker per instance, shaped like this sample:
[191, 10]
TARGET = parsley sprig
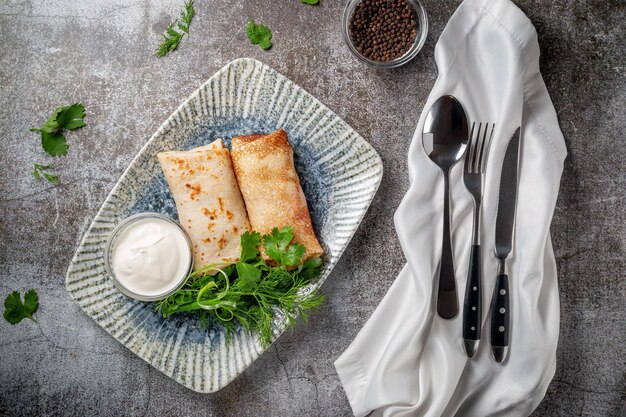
[66, 117]
[259, 34]
[15, 310]
[52, 139]
[250, 292]
[172, 37]
[40, 171]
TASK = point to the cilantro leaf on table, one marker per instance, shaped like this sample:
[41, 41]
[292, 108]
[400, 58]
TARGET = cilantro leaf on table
[55, 144]
[15, 310]
[171, 37]
[40, 172]
[66, 117]
[71, 117]
[277, 246]
[310, 1]
[259, 34]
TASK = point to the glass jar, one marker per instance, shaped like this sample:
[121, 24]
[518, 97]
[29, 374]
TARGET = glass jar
[176, 282]
[422, 30]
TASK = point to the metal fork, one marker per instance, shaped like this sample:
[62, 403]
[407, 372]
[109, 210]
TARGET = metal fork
[473, 173]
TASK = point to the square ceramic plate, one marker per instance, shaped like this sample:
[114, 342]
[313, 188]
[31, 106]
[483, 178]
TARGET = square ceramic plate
[339, 171]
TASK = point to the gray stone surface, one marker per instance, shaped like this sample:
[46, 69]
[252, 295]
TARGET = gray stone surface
[100, 53]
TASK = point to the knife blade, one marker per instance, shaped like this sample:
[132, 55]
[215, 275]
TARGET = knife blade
[507, 198]
[505, 222]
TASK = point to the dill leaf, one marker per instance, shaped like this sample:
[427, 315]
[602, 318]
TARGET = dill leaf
[250, 294]
[171, 37]
[186, 15]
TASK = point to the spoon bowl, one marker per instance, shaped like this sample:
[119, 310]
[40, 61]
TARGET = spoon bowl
[445, 137]
[446, 133]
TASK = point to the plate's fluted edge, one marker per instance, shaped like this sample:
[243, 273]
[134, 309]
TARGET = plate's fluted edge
[99, 222]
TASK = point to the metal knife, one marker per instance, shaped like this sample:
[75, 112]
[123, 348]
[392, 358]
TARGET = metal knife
[505, 224]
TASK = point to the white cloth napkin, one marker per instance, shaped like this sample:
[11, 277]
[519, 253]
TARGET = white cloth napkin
[407, 361]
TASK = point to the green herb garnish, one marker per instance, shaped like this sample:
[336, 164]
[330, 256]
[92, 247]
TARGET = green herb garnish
[40, 172]
[259, 34]
[310, 1]
[15, 310]
[277, 247]
[171, 37]
[67, 117]
[251, 292]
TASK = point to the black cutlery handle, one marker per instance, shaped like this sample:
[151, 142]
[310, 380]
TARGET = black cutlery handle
[472, 311]
[500, 318]
[447, 300]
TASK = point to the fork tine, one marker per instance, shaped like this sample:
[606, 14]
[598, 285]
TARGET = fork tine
[469, 157]
[485, 148]
[469, 163]
[479, 150]
[483, 126]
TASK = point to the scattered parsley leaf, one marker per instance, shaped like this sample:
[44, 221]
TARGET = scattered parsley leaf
[171, 37]
[249, 243]
[310, 1]
[66, 117]
[40, 171]
[71, 117]
[54, 143]
[259, 34]
[15, 310]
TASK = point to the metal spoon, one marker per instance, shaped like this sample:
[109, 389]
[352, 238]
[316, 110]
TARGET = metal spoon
[445, 137]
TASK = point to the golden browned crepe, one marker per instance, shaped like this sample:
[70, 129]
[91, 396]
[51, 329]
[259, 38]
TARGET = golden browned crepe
[208, 200]
[271, 188]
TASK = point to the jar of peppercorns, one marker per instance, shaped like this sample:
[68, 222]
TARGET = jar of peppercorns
[385, 33]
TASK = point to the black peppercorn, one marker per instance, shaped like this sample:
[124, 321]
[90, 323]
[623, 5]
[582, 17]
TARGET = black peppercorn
[383, 30]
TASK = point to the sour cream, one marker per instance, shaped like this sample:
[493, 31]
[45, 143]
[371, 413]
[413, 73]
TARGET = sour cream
[150, 257]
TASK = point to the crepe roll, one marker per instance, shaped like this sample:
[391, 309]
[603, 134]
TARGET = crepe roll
[271, 188]
[208, 200]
